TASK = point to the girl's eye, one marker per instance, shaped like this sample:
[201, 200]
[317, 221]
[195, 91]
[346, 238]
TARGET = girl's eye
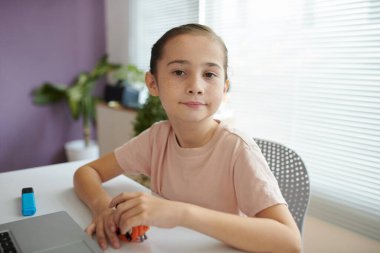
[179, 72]
[209, 75]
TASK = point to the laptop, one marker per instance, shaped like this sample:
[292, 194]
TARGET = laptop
[50, 233]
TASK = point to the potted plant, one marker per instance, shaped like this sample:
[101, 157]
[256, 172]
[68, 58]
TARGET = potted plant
[81, 103]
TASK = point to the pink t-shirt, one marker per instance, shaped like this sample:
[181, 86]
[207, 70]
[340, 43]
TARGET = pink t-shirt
[228, 174]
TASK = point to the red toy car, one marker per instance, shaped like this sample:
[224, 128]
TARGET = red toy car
[135, 234]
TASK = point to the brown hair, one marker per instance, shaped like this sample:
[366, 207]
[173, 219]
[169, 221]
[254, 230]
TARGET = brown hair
[179, 30]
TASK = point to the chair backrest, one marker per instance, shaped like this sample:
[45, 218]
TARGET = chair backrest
[292, 177]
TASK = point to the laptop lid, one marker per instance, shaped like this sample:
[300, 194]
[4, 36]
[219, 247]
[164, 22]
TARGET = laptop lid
[50, 233]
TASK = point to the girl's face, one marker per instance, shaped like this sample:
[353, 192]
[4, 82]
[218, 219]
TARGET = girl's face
[190, 78]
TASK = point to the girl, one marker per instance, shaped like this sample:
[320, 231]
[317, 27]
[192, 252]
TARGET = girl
[212, 179]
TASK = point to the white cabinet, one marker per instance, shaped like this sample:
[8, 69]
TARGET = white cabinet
[114, 126]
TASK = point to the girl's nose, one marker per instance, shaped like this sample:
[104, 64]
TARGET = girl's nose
[195, 87]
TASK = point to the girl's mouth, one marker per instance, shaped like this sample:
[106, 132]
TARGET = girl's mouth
[193, 104]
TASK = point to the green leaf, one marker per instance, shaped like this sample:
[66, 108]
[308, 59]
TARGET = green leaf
[49, 93]
[131, 73]
[101, 69]
[151, 112]
[74, 96]
[82, 79]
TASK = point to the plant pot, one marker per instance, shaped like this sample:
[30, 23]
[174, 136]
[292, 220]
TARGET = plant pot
[76, 150]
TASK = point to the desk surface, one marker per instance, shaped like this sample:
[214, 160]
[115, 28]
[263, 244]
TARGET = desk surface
[54, 192]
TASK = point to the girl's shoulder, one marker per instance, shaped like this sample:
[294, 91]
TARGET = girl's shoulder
[234, 135]
[162, 125]
[160, 130]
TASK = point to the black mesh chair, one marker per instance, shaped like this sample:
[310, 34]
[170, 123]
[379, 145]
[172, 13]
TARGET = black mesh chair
[291, 175]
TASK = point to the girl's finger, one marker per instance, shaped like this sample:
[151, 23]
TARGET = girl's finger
[90, 230]
[124, 207]
[128, 215]
[122, 197]
[102, 241]
[127, 224]
[110, 229]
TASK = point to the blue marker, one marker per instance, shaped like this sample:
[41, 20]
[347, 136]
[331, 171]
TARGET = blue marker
[28, 202]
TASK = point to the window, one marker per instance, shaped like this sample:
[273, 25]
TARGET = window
[307, 74]
[150, 19]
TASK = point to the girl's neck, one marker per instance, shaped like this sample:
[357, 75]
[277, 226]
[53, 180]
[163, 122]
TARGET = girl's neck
[194, 135]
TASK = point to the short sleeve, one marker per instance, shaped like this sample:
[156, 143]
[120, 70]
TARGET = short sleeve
[135, 155]
[255, 185]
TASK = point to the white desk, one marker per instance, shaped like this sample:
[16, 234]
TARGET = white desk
[54, 192]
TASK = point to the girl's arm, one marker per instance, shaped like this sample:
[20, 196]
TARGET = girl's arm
[272, 230]
[88, 181]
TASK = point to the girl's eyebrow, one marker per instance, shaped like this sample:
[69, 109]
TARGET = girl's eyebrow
[185, 62]
[178, 61]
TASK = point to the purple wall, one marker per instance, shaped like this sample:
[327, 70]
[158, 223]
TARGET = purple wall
[43, 40]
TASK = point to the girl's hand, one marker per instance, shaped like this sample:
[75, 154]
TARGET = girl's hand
[134, 209]
[104, 227]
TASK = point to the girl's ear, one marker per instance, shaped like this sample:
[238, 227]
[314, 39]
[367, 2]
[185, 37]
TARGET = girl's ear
[226, 86]
[151, 84]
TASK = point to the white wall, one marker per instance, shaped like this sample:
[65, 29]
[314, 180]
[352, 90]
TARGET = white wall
[117, 41]
[323, 237]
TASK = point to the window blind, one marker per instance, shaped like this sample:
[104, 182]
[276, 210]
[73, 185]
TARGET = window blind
[305, 73]
[150, 19]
